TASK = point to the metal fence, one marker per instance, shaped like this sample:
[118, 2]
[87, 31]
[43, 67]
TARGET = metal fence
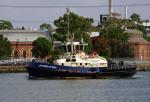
[129, 60]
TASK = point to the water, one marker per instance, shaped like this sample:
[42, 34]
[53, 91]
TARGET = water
[16, 87]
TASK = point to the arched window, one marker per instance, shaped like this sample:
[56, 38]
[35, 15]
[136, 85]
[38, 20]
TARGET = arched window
[149, 52]
[16, 54]
[31, 54]
[24, 53]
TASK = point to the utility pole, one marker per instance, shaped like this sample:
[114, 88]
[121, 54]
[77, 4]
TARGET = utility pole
[110, 7]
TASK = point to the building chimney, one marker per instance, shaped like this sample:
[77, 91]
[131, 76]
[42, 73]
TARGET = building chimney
[110, 6]
[125, 12]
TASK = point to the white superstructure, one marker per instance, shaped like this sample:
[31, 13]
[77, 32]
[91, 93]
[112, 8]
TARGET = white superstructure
[79, 58]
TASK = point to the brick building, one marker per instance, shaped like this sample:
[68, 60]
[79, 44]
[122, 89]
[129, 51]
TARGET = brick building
[140, 45]
[21, 41]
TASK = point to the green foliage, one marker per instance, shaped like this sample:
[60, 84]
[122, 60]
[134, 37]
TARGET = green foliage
[41, 47]
[135, 17]
[142, 29]
[147, 38]
[129, 24]
[55, 55]
[120, 49]
[113, 30]
[46, 26]
[78, 27]
[88, 40]
[135, 23]
[117, 40]
[5, 47]
[4, 24]
[100, 44]
[76, 24]
[132, 25]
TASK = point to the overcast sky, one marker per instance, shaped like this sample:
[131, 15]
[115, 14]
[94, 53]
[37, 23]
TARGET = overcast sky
[32, 13]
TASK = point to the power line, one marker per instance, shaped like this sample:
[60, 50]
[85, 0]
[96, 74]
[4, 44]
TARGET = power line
[24, 6]
[73, 6]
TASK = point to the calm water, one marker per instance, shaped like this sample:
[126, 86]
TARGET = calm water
[16, 87]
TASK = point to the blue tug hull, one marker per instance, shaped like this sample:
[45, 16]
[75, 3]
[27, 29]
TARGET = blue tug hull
[43, 70]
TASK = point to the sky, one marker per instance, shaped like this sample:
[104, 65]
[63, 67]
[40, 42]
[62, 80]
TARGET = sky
[32, 13]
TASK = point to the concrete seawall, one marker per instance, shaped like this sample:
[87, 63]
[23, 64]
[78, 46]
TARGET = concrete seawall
[13, 69]
[143, 67]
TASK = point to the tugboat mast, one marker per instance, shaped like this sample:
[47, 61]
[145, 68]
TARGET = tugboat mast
[69, 35]
[68, 23]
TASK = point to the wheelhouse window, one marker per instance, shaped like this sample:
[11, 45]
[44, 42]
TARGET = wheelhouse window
[68, 60]
[73, 60]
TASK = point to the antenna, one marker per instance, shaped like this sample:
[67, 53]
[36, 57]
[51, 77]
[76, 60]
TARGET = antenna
[68, 24]
[69, 35]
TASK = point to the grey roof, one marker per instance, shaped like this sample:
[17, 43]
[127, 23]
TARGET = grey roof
[133, 31]
[23, 35]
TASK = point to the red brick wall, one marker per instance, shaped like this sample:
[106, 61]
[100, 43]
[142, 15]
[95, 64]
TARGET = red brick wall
[141, 51]
[20, 47]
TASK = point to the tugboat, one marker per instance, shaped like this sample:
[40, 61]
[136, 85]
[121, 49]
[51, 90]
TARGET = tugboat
[77, 64]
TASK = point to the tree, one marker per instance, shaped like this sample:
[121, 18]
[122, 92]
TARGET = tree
[129, 24]
[4, 24]
[78, 27]
[135, 17]
[46, 26]
[5, 47]
[101, 46]
[113, 29]
[120, 49]
[41, 47]
[55, 55]
[117, 40]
